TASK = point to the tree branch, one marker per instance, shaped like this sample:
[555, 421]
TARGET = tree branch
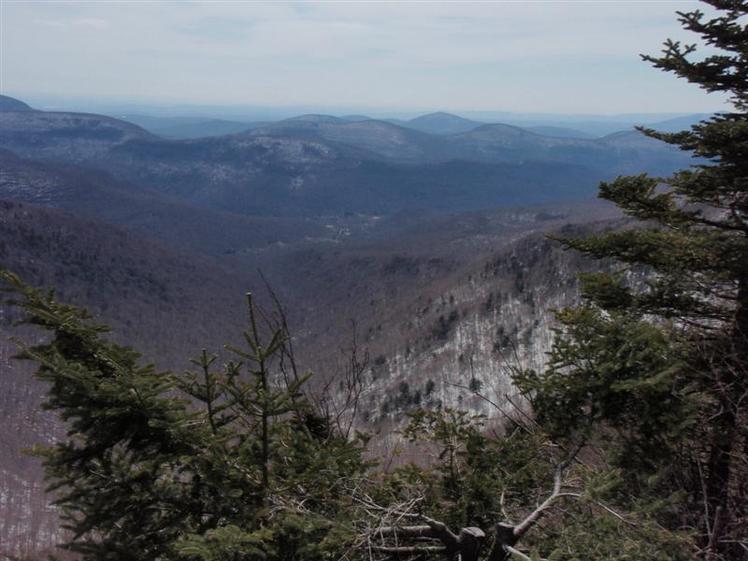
[522, 528]
[517, 553]
[410, 548]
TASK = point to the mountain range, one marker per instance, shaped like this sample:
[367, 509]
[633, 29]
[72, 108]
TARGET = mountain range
[215, 122]
[422, 240]
[306, 166]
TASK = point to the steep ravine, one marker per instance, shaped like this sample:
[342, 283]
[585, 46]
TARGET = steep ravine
[432, 324]
[497, 315]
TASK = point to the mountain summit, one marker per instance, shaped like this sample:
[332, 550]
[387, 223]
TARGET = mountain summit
[8, 104]
[442, 123]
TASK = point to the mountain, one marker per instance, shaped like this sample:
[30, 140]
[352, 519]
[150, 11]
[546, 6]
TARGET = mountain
[508, 136]
[139, 285]
[169, 304]
[154, 123]
[356, 118]
[188, 127]
[466, 325]
[679, 123]
[416, 288]
[65, 136]
[287, 176]
[442, 123]
[398, 122]
[213, 127]
[160, 238]
[430, 297]
[98, 195]
[319, 165]
[594, 125]
[314, 118]
[494, 143]
[380, 139]
[422, 245]
[559, 132]
[302, 167]
[614, 154]
[11, 104]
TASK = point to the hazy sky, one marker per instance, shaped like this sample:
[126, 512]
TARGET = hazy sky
[549, 56]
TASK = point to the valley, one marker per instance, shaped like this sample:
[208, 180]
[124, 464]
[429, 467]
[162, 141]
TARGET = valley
[425, 243]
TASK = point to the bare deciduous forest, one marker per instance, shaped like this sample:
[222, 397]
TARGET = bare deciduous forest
[347, 338]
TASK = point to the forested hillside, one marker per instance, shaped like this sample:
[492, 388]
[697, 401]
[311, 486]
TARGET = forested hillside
[401, 288]
[341, 338]
[306, 166]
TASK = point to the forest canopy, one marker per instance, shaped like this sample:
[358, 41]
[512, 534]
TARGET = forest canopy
[635, 446]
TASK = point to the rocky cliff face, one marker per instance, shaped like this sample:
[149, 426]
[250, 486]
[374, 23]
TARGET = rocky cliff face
[466, 338]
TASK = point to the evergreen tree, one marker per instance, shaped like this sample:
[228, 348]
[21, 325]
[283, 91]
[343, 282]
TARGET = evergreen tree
[216, 464]
[225, 463]
[496, 497]
[654, 365]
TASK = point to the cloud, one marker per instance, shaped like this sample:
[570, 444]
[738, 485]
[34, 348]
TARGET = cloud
[93, 23]
[569, 55]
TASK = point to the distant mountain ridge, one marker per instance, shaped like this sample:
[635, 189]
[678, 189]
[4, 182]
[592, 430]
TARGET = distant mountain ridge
[8, 103]
[202, 129]
[679, 123]
[65, 136]
[422, 237]
[442, 123]
[439, 123]
[560, 132]
[315, 165]
[98, 195]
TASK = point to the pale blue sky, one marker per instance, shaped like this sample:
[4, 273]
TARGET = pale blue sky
[550, 56]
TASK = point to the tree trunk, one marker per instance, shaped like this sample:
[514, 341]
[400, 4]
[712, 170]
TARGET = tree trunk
[503, 536]
[469, 543]
[732, 385]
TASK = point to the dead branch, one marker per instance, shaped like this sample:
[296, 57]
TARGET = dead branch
[532, 518]
[468, 543]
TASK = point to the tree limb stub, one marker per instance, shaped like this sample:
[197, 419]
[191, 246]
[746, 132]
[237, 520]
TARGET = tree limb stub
[467, 545]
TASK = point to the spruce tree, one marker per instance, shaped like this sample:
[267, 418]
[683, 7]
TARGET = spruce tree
[222, 463]
[655, 362]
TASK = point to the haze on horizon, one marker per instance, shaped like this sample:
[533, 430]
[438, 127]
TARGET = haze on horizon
[565, 57]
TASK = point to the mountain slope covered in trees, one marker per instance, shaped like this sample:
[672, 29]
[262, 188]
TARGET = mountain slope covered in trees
[628, 442]
[399, 286]
[308, 165]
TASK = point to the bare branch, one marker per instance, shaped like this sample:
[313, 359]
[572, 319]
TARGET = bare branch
[414, 549]
[522, 528]
[407, 531]
[518, 553]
